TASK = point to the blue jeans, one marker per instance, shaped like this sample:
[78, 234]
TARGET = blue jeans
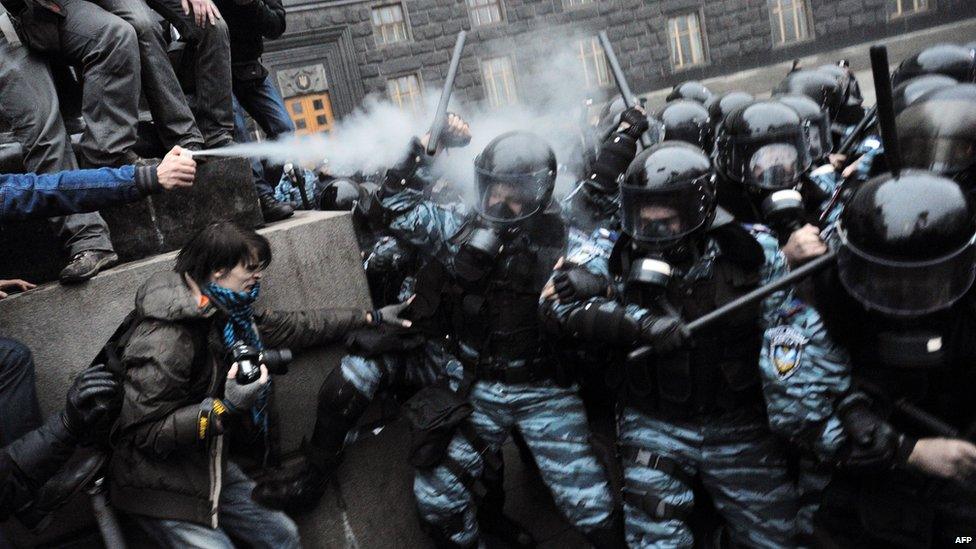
[238, 515]
[261, 100]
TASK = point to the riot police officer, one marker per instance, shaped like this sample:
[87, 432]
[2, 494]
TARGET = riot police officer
[761, 157]
[946, 59]
[873, 375]
[692, 413]
[938, 132]
[495, 264]
[692, 90]
[720, 105]
[688, 121]
[823, 88]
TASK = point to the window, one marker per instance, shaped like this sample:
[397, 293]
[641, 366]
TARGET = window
[687, 47]
[311, 113]
[789, 20]
[594, 61]
[405, 92]
[900, 8]
[568, 4]
[389, 25]
[485, 12]
[499, 81]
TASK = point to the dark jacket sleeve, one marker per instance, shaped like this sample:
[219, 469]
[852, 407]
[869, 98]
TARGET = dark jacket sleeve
[300, 329]
[269, 18]
[29, 461]
[156, 416]
[28, 196]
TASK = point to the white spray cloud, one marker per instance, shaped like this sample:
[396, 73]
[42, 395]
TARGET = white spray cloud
[552, 104]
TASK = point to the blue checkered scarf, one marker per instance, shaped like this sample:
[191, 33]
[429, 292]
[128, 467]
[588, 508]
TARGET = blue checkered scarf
[239, 307]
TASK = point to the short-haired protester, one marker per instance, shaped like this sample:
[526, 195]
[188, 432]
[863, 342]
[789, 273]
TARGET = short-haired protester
[168, 466]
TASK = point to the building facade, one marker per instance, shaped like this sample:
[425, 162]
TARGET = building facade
[336, 52]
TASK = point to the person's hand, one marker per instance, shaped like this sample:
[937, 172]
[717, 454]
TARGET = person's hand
[176, 170]
[456, 133]
[391, 314]
[837, 160]
[853, 167]
[15, 284]
[803, 245]
[239, 397]
[633, 122]
[203, 10]
[944, 458]
[574, 283]
[94, 395]
[664, 333]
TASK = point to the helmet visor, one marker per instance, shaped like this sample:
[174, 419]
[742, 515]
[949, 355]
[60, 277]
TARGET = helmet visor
[905, 288]
[945, 155]
[664, 216]
[512, 198]
[770, 165]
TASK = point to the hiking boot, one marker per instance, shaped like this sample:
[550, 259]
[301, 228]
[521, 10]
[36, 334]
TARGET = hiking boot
[87, 264]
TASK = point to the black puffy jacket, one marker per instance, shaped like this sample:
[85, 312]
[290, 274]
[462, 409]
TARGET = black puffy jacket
[30, 461]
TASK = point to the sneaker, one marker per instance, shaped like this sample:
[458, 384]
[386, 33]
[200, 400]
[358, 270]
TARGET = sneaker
[272, 210]
[87, 264]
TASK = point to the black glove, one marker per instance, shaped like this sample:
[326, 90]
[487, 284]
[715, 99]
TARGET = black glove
[579, 284]
[95, 395]
[603, 322]
[872, 441]
[665, 334]
[453, 139]
[638, 123]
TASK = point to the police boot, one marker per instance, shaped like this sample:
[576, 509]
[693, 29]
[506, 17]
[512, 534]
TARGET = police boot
[340, 407]
[491, 516]
[610, 536]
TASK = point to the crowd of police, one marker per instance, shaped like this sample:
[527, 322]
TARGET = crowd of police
[635, 337]
[836, 412]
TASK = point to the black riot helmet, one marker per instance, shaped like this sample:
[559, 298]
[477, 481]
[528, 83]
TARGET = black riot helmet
[667, 197]
[850, 111]
[947, 59]
[818, 85]
[720, 105]
[816, 122]
[762, 147]
[515, 173]
[910, 90]
[690, 89]
[688, 121]
[907, 244]
[339, 195]
[938, 132]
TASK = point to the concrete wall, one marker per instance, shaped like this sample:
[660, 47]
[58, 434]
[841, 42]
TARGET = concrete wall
[316, 264]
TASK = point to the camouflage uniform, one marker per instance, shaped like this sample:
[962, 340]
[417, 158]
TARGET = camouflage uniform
[732, 453]
[550, 417]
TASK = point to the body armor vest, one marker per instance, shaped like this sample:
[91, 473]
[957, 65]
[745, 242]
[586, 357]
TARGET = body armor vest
[720, 372]
[497, 314]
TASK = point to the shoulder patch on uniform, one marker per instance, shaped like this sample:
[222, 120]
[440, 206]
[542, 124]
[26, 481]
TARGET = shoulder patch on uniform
[786, 349]
[583, 248]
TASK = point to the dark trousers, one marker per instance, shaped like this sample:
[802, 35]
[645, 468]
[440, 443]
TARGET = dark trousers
[19, 411]
[209, 120]
[29, 113]
[260, 99]
[105, 48]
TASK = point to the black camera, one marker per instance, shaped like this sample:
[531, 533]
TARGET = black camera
[249, 360]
